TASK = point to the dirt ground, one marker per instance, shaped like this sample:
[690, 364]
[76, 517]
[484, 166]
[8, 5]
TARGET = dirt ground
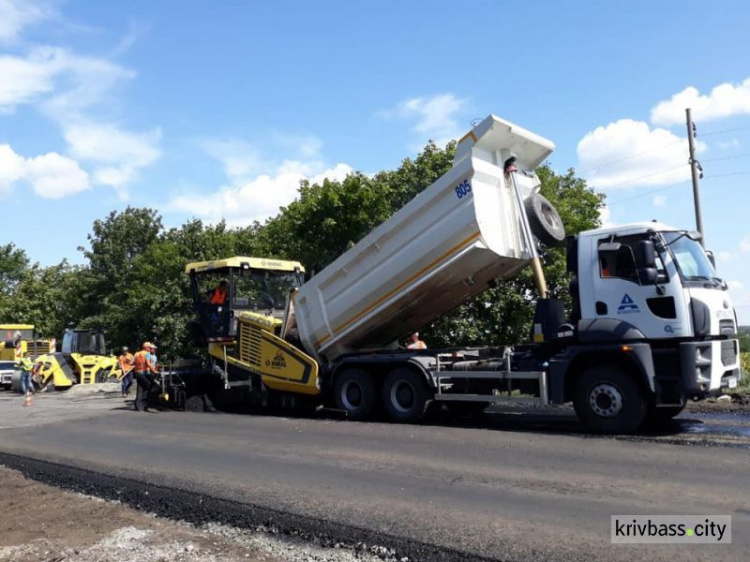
[43, 523]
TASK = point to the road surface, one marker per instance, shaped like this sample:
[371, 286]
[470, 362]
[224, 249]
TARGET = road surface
[506, 487]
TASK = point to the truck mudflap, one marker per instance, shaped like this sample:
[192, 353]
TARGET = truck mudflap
[564, 368]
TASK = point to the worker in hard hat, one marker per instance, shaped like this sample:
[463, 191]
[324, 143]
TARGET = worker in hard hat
[127, 364]
[415, 342]
[144, 371]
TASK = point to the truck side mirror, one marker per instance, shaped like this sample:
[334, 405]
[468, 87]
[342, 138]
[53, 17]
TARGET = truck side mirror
[647, 275]
[645, 255]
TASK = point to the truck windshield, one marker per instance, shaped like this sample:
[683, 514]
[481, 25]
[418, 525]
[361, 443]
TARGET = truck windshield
[691, 259]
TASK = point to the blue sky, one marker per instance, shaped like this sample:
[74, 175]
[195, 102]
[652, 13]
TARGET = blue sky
[218, 108]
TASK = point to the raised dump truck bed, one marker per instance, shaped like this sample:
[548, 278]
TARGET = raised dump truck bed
[444, 247]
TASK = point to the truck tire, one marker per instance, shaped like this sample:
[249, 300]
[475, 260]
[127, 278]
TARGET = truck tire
[544, 220]
[608, 400]
[355, 394]
[405, 395]
[103, 375]
[197, 403]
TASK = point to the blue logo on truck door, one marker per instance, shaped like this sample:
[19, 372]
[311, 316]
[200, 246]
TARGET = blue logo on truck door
[463, 189]
[627, 305]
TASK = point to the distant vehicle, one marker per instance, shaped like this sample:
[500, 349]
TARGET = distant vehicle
[7, 368]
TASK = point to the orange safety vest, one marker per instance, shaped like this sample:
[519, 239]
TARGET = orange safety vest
[141, 362]
[126, 362]
[220, 296]
[419, 344]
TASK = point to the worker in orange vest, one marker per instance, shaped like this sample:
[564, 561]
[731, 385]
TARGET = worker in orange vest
[218, 300]
[220, 293]
[127, 363]
[144, 371]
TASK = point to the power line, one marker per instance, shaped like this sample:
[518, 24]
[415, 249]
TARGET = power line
[670, 186]
[611, 162]
[711, 133]
[735, 157]
[745, 173]
[645, 176]
[646, 193]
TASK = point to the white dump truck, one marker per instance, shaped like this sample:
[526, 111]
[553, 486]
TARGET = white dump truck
[652, 325]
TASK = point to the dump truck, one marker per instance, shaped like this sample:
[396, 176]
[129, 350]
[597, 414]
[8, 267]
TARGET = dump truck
[651, 327]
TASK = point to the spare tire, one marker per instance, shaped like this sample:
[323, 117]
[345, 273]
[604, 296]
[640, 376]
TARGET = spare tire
[544, 220]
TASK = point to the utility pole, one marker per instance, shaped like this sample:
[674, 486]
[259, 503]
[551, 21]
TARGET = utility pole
[694, 168]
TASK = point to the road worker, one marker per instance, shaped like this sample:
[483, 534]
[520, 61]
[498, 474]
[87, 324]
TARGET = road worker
[219, 296]
[415, 342]
[144, 372]
[127, 363]
[153, 359]
[26, 366]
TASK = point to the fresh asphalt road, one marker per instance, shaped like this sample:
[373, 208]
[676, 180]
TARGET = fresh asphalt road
[496, 489]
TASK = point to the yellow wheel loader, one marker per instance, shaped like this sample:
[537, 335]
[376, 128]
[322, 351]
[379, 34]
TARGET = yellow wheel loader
[82, 360]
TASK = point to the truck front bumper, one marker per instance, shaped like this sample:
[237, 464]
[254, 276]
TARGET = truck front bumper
[708, 367]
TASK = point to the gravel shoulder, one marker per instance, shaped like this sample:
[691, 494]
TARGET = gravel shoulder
[42, 522]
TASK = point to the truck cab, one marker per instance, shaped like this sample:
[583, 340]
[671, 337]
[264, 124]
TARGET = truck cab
[650, 284]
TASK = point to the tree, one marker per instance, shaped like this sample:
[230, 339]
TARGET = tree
[46, 297]
[13, 265]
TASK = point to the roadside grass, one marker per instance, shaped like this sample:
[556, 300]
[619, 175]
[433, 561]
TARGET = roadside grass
[744, 386]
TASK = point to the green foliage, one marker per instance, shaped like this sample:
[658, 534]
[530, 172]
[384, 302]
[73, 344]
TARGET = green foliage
[134, 283]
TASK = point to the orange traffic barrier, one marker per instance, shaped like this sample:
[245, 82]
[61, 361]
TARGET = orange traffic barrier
[28, 401]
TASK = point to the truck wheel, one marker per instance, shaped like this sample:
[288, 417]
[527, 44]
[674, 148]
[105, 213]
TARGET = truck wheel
[608, 400]
[103, 375]
[544, 220]
[199, 403]
[355, 394]
[405, 395]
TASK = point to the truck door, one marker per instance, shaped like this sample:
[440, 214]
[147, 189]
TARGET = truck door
[657, 307]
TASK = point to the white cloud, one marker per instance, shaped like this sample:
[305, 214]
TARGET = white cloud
[53, 176]
[70, 89]
[726, 145]
[25, 79]
[724, 100]
[435, 116]
[628, 153]
[63, 82]
[256, 199]
[259, 184]
[50, 175]
[15, 15]
[605, 216]
[736, 285]
[660, 200]
[725, 256]
[240, 159]
[119, 153]
[745, 244]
